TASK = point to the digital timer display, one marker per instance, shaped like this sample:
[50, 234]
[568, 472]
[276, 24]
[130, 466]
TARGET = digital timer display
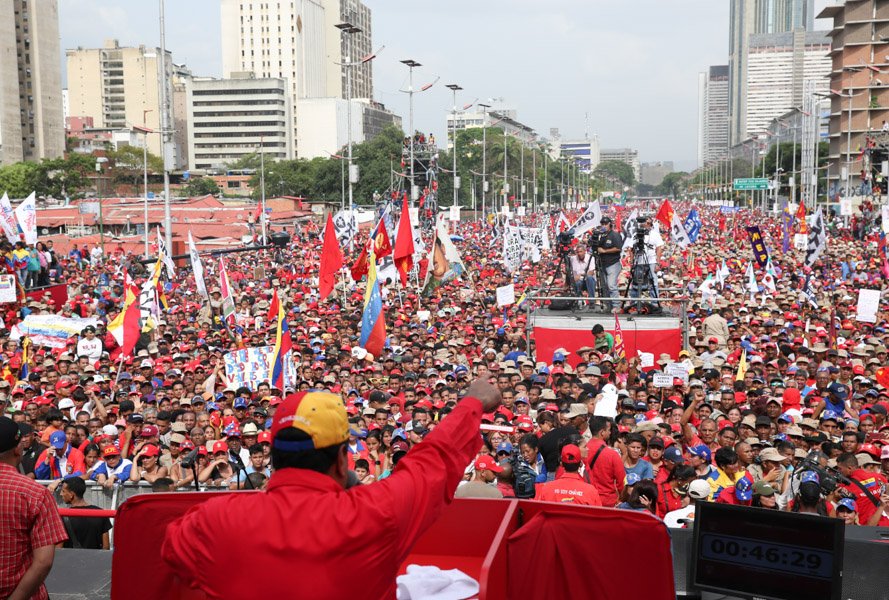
[766, 553]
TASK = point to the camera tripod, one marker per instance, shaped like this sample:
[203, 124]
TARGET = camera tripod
[641, 278]
[569, 283]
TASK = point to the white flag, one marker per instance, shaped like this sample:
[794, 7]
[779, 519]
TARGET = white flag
[721, 274]
[26, 213]
[708, 294]
[197, 268]
[752, 286]
[590, 218]
[768, 280]
[817, 239]
[7, 220]
[678, 232]
[164, 256]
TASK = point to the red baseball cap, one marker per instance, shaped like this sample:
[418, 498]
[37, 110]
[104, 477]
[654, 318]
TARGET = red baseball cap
[570, 455]
[151, 450]
[264, 437]
[110, 451]
[219, 446]
[487, 463]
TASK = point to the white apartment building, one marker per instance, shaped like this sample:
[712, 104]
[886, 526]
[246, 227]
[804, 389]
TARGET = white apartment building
[297, 41]
[777, 66]
[713, 118]
[324, 127]
[624, 155]
[234, 117]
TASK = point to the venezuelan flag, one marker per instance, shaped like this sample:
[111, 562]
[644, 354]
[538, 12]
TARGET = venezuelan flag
[26, 345]
[283, 345]
[373, 324]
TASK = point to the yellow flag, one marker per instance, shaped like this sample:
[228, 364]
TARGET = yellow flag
[742, 366]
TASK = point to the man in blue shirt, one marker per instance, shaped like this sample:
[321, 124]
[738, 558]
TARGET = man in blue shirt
[113, 469]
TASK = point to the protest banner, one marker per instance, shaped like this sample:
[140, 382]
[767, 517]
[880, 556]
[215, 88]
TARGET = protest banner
[251, 366]
[53, 331]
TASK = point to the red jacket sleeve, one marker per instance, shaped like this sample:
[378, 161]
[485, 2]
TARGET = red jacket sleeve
[426, 478]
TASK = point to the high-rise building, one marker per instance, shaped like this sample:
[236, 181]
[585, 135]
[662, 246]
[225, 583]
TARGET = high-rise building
[120, 87]
[230, 118]
[859, 65]
[653, 173]
[297, 40]
[713, 113]
[499, 116]
[31, 123]
[748, 17]
[584, 151]
[777, 66]
[323, 129]
[624, 155]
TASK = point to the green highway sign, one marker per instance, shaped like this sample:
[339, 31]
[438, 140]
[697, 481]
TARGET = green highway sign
[756, 183]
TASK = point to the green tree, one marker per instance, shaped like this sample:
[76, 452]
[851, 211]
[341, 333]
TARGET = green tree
[615, 171]
[128, 165]
[673, 184]
[19, 179]
[200, 186]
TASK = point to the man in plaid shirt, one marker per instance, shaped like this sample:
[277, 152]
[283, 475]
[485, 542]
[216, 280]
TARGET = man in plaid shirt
[30, 526]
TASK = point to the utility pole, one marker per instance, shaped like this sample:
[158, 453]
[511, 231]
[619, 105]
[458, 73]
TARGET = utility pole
[166, 131]
[454, 89]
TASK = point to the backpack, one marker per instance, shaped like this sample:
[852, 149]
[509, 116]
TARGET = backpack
[524, 478]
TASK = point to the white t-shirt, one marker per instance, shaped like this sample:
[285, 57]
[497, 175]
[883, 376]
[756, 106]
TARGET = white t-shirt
[90, 348]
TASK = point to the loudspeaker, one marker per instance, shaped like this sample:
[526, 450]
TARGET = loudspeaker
[562, 305]
[281, 239]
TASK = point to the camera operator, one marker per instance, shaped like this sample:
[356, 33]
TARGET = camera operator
[652, 243]
[584, 272]
[610, 243]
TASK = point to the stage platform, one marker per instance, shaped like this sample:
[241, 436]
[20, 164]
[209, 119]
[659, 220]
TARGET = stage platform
[572, 329]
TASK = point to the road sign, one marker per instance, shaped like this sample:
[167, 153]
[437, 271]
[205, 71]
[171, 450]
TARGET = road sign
[756, 183]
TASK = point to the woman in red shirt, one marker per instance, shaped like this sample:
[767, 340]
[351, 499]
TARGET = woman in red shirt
[671, 493]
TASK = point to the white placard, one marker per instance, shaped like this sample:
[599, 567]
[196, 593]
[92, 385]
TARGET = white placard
[423, 315]
[520, 211]
[454, 213]
[663, 381]
[7, 288]
[845, 207]
[646, 359]
[868, 305]
[252, 366]
[676, 369]
[505, 210]
[506, 295]
[800, 241]
[607, 404]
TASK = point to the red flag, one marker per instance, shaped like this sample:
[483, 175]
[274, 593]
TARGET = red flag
[382, 245]
[404, 244]
[801, 219]
[722, 223]
[273, 307]
[331, 260]
[665, 214]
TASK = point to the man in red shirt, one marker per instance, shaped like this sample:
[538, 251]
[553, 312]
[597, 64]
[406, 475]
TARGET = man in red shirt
[30, 526]
[869, 513]
[307, 522]
[569, 487]
[605, 466]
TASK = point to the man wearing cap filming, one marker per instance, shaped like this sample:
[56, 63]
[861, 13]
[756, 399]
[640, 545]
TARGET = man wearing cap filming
[311, 531]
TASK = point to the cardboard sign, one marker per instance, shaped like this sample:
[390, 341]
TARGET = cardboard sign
[662, 380]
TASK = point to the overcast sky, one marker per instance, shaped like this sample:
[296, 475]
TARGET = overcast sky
[631, 65]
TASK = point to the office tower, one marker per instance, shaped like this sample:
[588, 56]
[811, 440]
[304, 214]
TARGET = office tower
[713, 114]
[31, 123]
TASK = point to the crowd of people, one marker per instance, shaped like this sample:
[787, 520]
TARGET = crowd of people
[784, 407]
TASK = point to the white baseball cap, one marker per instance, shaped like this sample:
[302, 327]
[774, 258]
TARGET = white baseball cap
[699, 489]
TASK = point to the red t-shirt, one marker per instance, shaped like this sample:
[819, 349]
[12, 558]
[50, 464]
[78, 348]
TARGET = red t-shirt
[667, 499]
[876, 484]
[569, 488]
[727, 496]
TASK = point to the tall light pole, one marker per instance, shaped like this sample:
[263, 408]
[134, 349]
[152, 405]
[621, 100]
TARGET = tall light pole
[454, 89]
[411, 65]
[144, 131]
[262, 219]
[347, 30]
[166, 130]
[485, 108]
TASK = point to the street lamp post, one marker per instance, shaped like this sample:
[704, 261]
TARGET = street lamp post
[144, 131]
[347, 30]
[485, 108]
[454, 89]
[99, 162]
[411, 65]
[166, 130]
